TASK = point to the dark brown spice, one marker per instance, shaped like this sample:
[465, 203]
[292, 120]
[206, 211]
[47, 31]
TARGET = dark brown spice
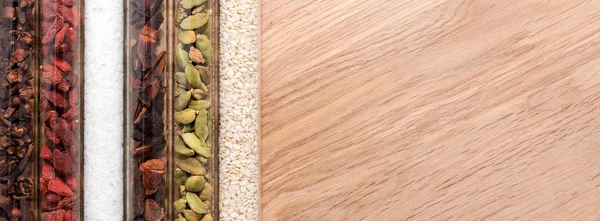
[16, 96]
[146, 86]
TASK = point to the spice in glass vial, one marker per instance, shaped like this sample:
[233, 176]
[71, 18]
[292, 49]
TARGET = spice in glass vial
[59, 70]
[193, 113]
[17, 44]
[146, 99]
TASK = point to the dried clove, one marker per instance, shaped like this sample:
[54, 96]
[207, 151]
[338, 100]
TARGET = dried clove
[17, 26]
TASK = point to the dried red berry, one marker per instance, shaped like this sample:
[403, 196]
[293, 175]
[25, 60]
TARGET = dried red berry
[51, 75]
[71, 113]
[53, 197]
[59, 187]
[71, 39]
[62, 65]
[55, 98]
[51, 135]
[46, 153]
[72, 182]
[63, 162]
[50, 34]
[60, 35]
[67, 202]
[73, 97]
[70, 215]
[48, 172]
[64, 86]
[51, 114]
[56, 215]
[44, 187]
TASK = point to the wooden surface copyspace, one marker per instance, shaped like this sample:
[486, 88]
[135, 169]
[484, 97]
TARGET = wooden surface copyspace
[430, 110]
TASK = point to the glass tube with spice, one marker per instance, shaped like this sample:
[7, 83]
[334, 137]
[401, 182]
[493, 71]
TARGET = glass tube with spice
[172, 94]
[17, 109]
[146, 110]
[195, 110]
[60, 107]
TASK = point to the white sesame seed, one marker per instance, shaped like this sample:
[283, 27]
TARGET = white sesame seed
[239, 110]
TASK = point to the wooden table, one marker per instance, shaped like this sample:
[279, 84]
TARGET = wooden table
[430, 110]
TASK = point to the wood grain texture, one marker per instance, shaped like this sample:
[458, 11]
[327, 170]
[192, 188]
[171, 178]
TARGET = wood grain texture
[430, 110]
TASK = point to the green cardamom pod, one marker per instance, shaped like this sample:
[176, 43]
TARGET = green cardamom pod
[182, 190]
[209, 125]
[207, 217]
[180, 218]
[193, 76]
[188, 4]
[198, 9]
[179, 16]
[204, 151]
[203, 44]
[186, 116]
[198, 94]
[205, 29]
[179, 177]
[186, 37]
[183, 58]
[195, 184]
[191, 215]
[200, 126]
[192, 141]
[201, 159]
[181, 80]
[188, 128]
[195, 203]
[182, 149]
[204, 75]
[181, 101]
[179, 205]
[194, 21]
[199, 104]
[191, 166]
[207, 192]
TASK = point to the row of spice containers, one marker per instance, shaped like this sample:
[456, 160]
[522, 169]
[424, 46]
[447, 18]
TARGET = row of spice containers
[172, 94]
[171, 118]
[40, 85]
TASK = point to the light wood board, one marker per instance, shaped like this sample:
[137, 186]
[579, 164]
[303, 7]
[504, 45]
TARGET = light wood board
[430, 110]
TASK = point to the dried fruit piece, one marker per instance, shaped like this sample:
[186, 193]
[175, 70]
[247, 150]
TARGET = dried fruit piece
[55, 98]
[63, 162]
[59, 187]
[48, 172]
[152, 173]
[56, 215]
[153, 211]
